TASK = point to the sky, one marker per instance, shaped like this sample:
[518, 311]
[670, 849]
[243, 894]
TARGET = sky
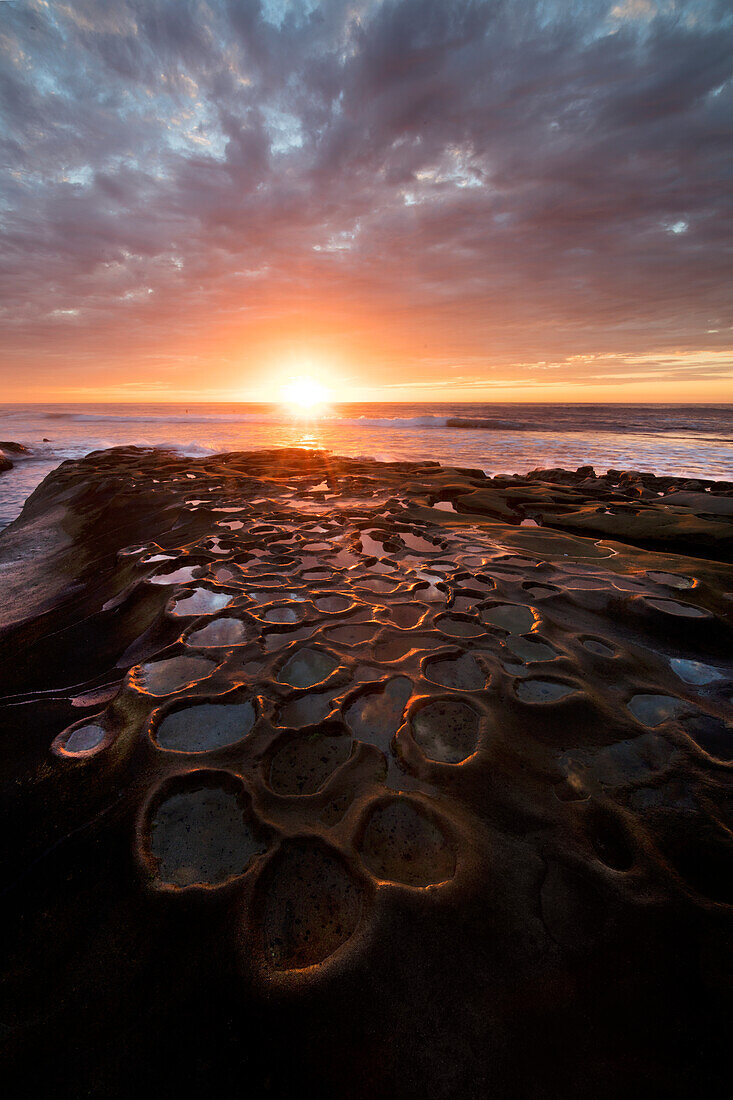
[402, 199]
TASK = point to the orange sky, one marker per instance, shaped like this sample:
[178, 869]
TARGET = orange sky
[407, 200]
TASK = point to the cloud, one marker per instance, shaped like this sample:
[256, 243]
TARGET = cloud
[505, 182]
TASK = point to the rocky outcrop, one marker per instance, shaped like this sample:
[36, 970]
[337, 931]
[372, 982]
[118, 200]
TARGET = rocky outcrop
[9, 448]
[311, 785]
[638, 508]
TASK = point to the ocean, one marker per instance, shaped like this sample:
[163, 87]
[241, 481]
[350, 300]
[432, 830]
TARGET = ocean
[683, 440]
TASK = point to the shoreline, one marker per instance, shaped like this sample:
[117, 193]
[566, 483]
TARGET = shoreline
[615, 485]
[633, 501]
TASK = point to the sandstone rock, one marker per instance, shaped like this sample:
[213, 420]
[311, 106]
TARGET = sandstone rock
[487, 501]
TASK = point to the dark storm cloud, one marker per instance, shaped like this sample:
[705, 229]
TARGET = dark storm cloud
[551, 177]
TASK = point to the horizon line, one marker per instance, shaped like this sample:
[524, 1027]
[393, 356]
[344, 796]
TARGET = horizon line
[329, 404]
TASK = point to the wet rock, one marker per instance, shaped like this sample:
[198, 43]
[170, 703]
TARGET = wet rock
[313, 799]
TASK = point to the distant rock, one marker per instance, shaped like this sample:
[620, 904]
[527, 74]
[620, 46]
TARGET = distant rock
[712, 504]
[554, 473]
[9, 447]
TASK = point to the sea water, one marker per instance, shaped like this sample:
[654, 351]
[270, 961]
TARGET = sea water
[684, 440]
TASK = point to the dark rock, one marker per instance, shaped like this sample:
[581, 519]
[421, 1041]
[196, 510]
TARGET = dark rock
[268, 860]
[708, 504]
[468, 472]
[557, 473]
[14, 448]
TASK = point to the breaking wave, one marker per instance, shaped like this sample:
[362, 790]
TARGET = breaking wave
[715, 422]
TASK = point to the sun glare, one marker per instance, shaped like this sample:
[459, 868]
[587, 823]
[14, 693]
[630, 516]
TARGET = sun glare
[303, 394]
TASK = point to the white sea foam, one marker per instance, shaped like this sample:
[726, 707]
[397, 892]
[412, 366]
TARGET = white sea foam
[78, 448]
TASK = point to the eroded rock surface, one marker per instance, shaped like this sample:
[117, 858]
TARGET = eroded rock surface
[313, 785]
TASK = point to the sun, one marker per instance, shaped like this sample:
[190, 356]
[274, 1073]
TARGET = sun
[303, 394]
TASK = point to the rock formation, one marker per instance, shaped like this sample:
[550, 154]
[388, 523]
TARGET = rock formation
[6, 448]
[335, 777]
